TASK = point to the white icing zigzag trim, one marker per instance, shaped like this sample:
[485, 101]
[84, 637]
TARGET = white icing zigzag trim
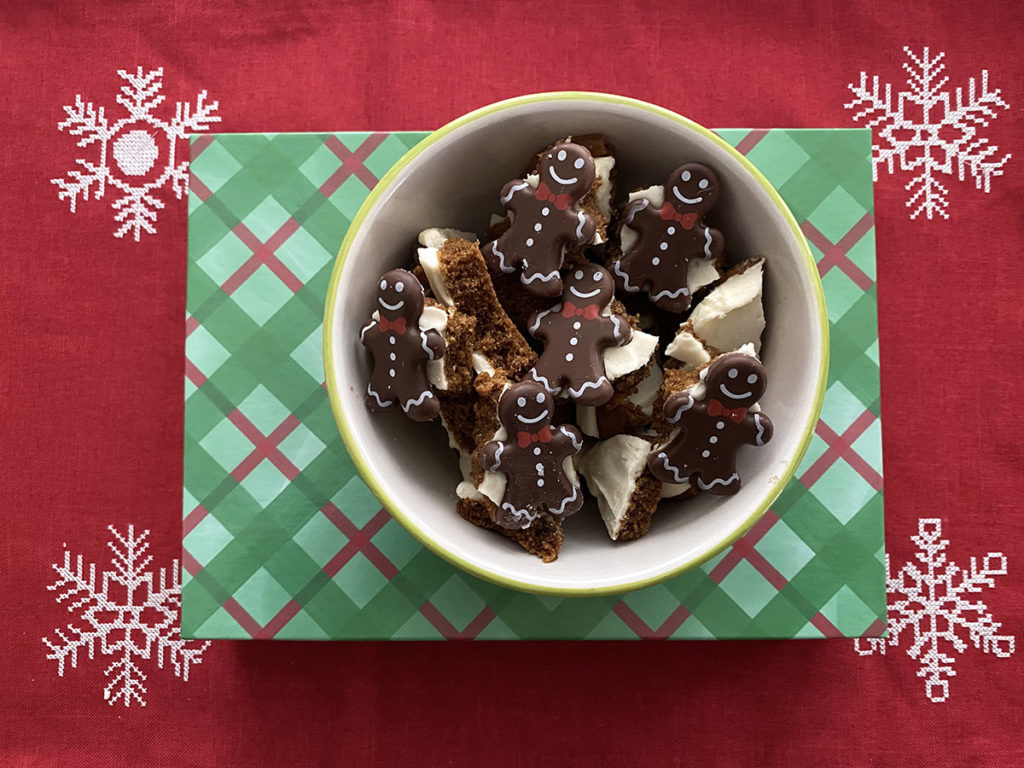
[541, 316]
[675, 471]
[512, 192]
[497, 457]
[717, 481]
[519, 514]
[579, 227]
[565, 501]
[538, 276]
[616, 320]
[707, 242]
[501, 259]
[760, 429]
[543, 381]
[417, 401]
[381, 403]
[368, 326]
[684, 407]
[629, 219]
[684, 291]
[625, 279]
[575, 443]
[427, 349]
[587, 385]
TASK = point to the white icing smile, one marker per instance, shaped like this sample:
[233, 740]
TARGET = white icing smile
[534, 420]
[584, 295]
[684, 198]
[392, 307]
[728, 393]
[559, 179]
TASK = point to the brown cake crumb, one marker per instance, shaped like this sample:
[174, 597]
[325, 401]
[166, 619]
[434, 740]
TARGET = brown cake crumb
[458, 354]
[676, 380]
[642, 506]
[543, 538]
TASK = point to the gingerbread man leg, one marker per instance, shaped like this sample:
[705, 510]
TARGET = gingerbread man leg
[423, 408]
[664, 469]
[379, 402]
[542, 282]
[592, 393]
[668, 295]
[496, 260]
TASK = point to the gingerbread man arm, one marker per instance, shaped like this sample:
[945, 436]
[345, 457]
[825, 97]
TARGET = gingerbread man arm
[715, 245]
[583, 227]
[490, 455]
[675, 405]
[621, 331]
[638, 214]
[567, 439]
[759, 428]
[433, 343]
[364, 329]
[538, 324]
[511, 192]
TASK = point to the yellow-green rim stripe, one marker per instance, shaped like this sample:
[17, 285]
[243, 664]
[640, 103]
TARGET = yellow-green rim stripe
[346, 434]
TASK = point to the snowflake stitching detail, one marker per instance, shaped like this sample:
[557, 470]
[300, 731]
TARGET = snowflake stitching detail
[932, 606]
[135, 151]
[119, 621]
[927, 133]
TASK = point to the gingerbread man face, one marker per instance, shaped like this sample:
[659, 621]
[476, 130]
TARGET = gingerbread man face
[399, 294]
[525, 407]
[589, 285]
[692, 188]
[736, 380]
[568, 169]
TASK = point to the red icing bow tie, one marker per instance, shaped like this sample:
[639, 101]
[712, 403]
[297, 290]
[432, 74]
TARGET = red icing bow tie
[686, 219]
[525, 438]
[398, 326]
[571, 310]
[544, 194]
[735, 415]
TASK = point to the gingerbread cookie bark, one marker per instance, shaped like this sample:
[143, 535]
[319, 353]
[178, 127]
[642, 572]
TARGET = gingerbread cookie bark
[712, 429]
[401, 350]
[458, 277]
[575, 333]
[663, 233]
[545, 220]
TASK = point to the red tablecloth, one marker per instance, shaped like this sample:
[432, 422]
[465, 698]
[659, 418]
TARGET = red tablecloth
[91, 340]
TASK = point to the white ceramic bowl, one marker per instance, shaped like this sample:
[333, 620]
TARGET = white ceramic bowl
[452, 179]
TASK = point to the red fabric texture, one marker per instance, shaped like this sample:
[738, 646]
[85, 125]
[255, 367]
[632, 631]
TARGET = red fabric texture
[91, 376]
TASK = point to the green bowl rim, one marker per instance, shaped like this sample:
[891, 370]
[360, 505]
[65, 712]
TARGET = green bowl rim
[346, 434]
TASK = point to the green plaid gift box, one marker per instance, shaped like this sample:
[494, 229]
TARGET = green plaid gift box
[281, 538]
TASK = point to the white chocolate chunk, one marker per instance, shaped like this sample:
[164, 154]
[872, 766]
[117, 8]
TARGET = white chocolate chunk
[481, 364]
[435, 237]
[436, 319]
[647, 390]
[612, 468]
[586, 420]
[632, 356]
[687, 349]
[603, 196]
[671, 490]
[732, 314]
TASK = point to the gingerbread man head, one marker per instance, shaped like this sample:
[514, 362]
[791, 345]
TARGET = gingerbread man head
[588, 285]
[399, 294]
[568, 169]
[735, 380]
[692, 189]
[526, 408]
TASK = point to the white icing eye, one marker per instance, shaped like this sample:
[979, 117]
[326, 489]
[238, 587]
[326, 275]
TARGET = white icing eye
[751, 378]
[561, 154]
[686, 176]
[399, 287]
[579, 274]
[703, 184]
[733, 373]
[521, 401]
[578, 164]
[597, 276]
[540, 398]
[383, 285]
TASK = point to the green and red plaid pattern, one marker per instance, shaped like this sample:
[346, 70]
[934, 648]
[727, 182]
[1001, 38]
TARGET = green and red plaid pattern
[281, 538]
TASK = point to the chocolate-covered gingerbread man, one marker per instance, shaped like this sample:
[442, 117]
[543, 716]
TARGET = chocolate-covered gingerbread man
[545, 220]
[669, 237]
[711, 430]
[575, 334]
[532, 458]
[401, 349]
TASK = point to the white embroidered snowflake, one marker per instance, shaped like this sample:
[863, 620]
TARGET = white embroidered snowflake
[928, 133]
[932, 604]
[127, 617]
[136, 154]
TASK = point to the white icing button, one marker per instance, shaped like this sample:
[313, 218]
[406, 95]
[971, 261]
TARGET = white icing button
[720, 425]
[538, 227]
[391, 373]
[574, 341]
[576, 325]
[529, 241]
[663, 246]
[705, 454]
[536, 451]
[394, 356]
[391, 339]
[713, 440]
[540, 482]
[545, 211]
[655, 261]
[568, 358]
[539, 467]
[671, 230]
